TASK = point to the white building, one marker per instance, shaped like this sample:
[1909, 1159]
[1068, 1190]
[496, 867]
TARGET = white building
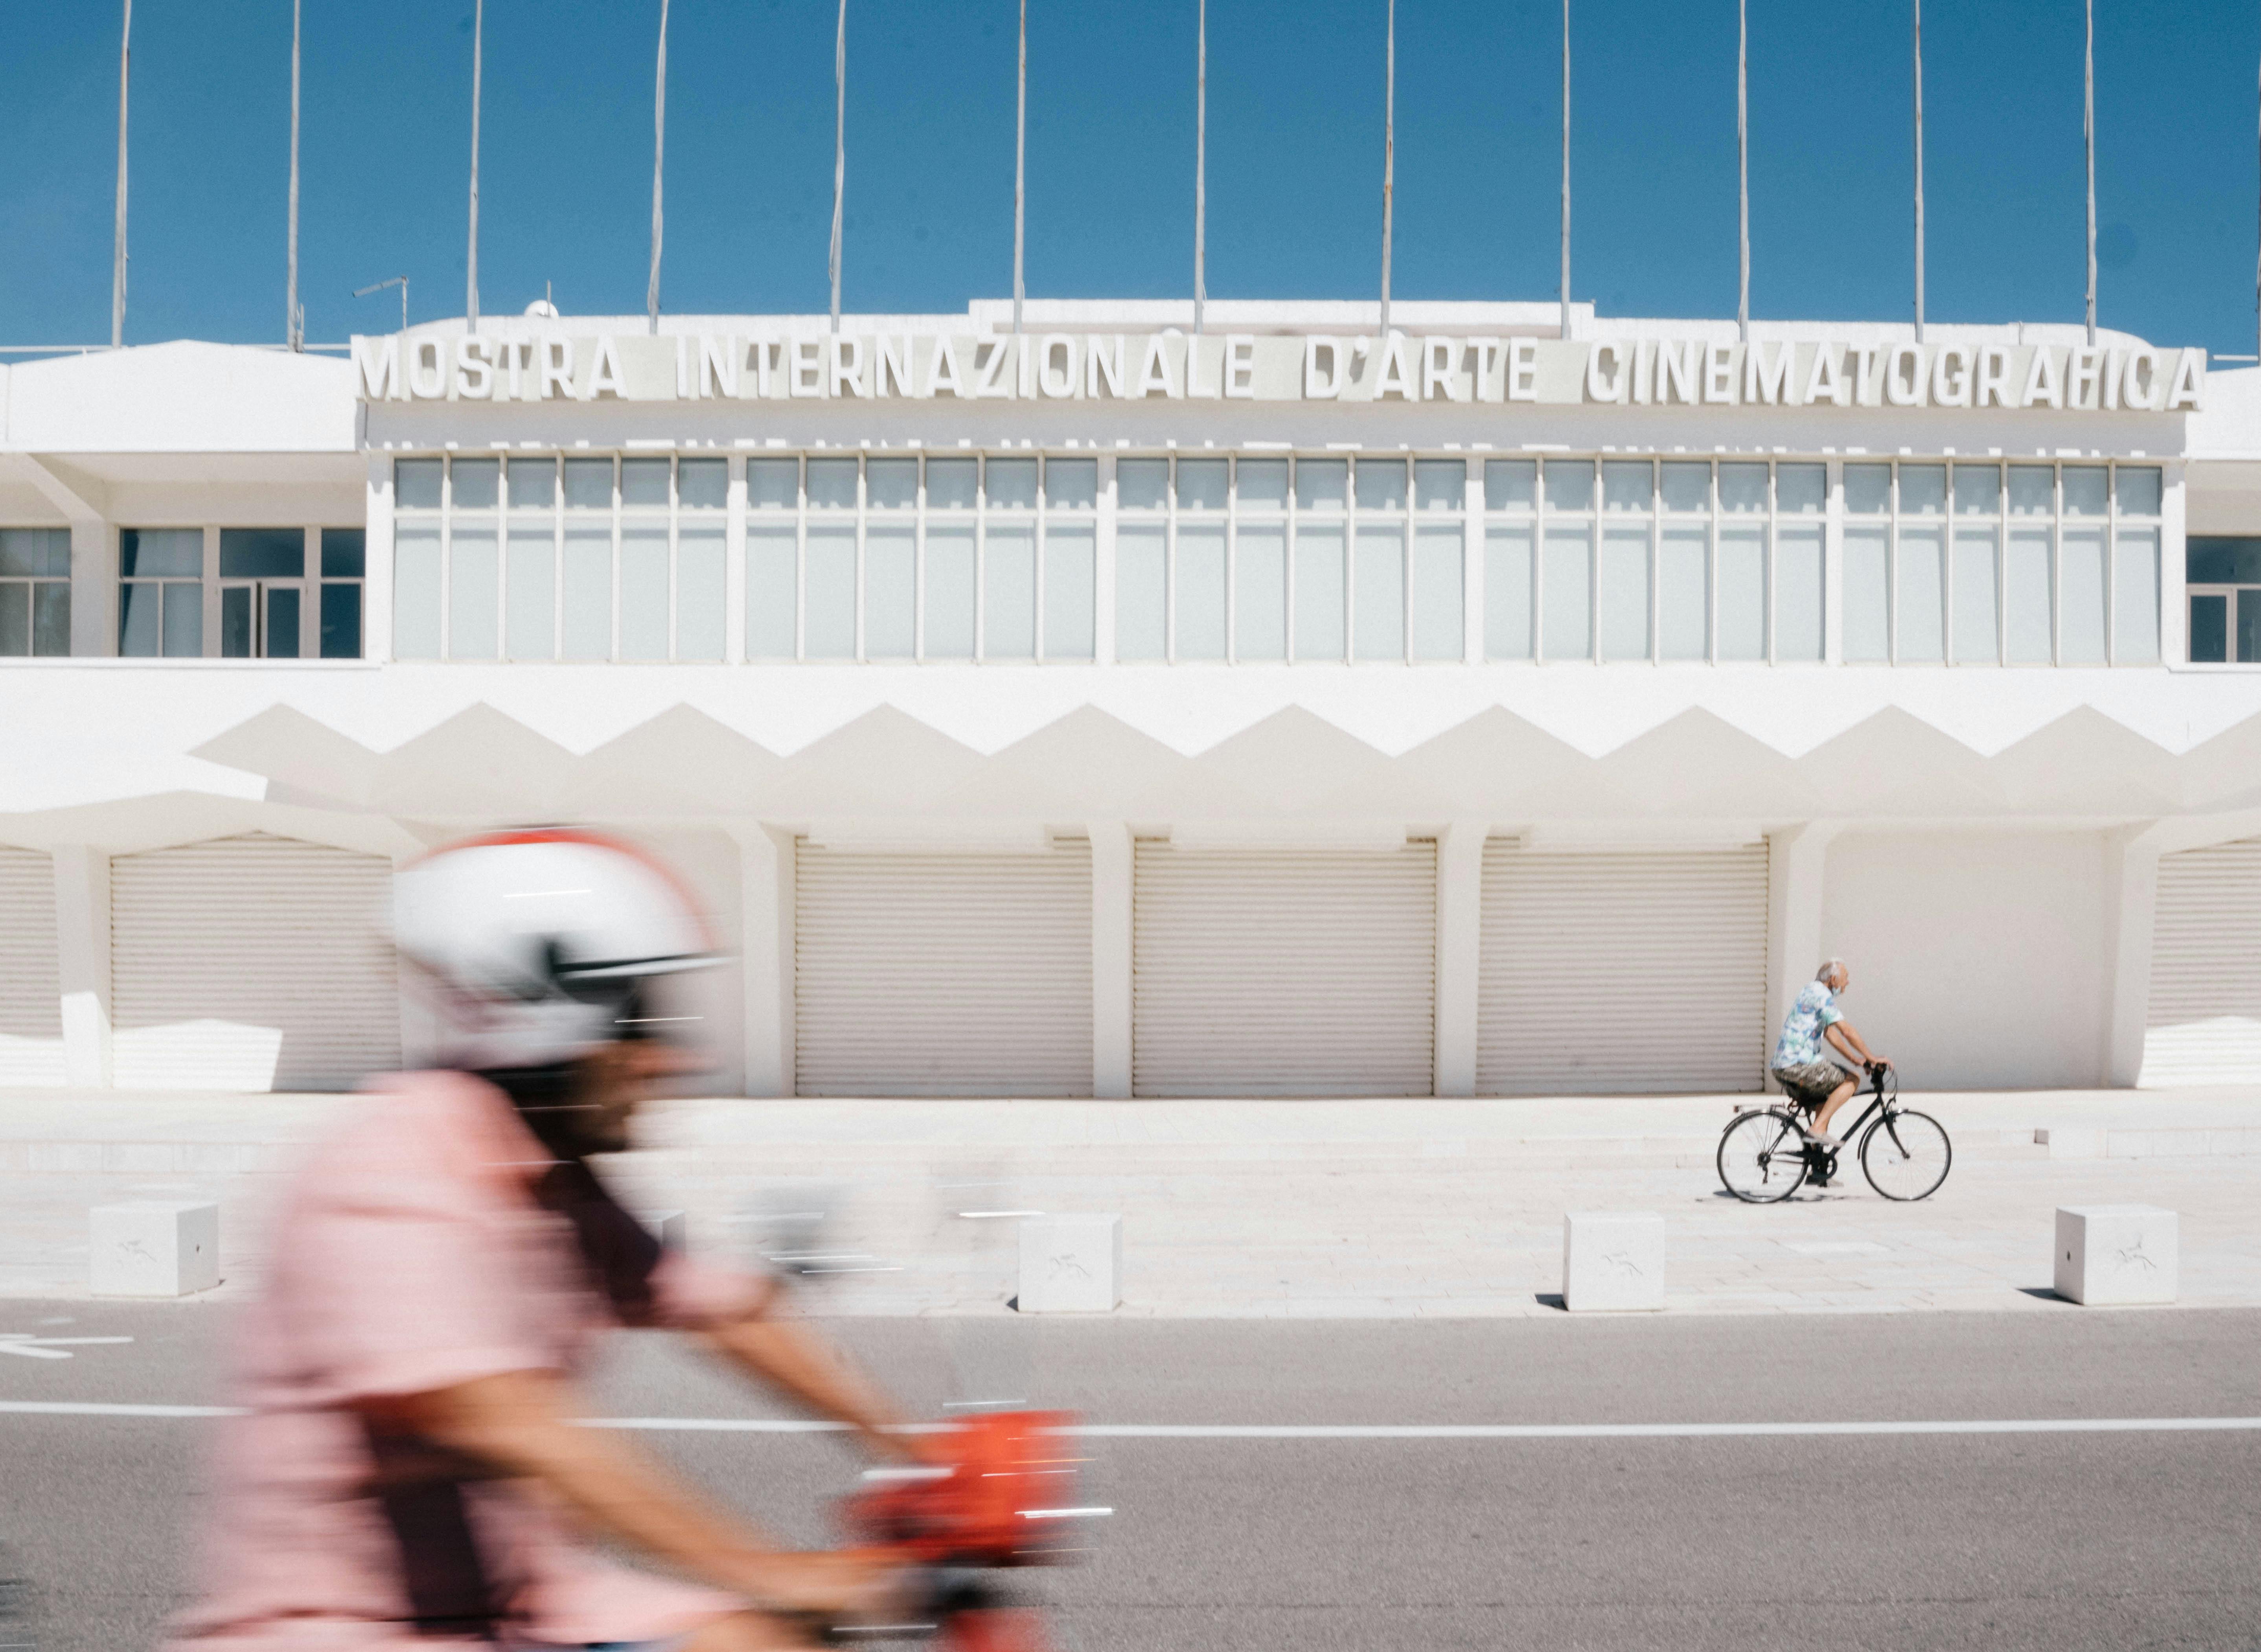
[1285, 711]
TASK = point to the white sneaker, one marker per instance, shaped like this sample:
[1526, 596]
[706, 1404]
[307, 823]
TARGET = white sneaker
[1822, 1138]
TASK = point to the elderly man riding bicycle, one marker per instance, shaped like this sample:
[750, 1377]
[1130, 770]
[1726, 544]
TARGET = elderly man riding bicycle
[1799, 1065]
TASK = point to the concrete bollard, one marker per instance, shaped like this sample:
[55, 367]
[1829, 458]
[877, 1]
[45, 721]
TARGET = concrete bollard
[152, 1249]
[2065, 1142]
[670, 1228]
[1070, 1264]
[2109, 1255]
[1612, 1261]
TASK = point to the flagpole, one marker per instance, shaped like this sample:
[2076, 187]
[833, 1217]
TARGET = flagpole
[1919, 171]
[472, 269]
[118, 260]
[1389, 155]
[1566, 169]
[1743, 168]
[2088, 140]
[1020, 162]
[1201, 171]
[294, 330]
[658, 170]
[839, 149]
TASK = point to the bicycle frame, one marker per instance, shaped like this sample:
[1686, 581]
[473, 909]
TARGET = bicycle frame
[1878, 1103]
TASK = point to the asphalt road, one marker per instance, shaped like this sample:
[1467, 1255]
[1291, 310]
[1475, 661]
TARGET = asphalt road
[2060, 1541]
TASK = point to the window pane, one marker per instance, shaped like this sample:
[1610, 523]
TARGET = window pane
[1687, 488]
[283, 622]
[1071, 485]
[643, 482]
[948, 588]
[1742, 589]
[1439, 625]
[2080, 571]
[530, 619]
[701, 593]
[703, 485]
[344, 553]
[416, 484]
[2209, 630]
[1921, 578]
[1569, 487]
[35, 550]
[951, 484]
[1321, 485]
[15, 619]
[1008, 592]
[1141, 591]
[1381, 485]
[2136, 607]
[1567, 580]
[772, 484]
[1801, 489]
[1198, 591]
[2032, 593]
[1071, 590]
[1012, 485]
[1975, 570]
[2249, 627]
[1439, 484]
[589, 487]
[1683, 592]
[1511, 484]
[829, 623]
[341, 621]
[478, 484]
[1977, 489]
[1142, 485]
[1625, 593]
[644, 602]
[1263, 485]
[890, 590]
[891, 484]
[2222, 562]
[235, 621]
[144, 552]
[1507, 593]
[415, 594]
[1627, 485]
[2032, 490]
[1798, 577]
[772, 593]
[2139, 490]
[262, 553]
[1320, 588]
[2084, 490]
[51, 626]
[474, 593]
[532, 485]
[1867, 618]
[1377, 627]
[1923, 490]
[1260, 587]
[832, 485]
[1201, 484]
[1743, 492]
[140, 606]
[184, 619]
[587, 633]
[1868, 490]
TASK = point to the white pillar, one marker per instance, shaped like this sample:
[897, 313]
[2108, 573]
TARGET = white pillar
[377, 569]
[2174, 569]
[83, 957]
[1111, 873]
[94, 588]
[766, 859]
[1460, 929]
[1797, 860]
[2131, 883]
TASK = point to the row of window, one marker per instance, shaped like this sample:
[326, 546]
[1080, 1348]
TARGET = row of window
[35, 594]
[272, 593]
[2225, 601]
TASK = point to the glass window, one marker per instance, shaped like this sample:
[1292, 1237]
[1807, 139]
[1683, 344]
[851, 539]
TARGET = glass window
[1627, 486]
[1507, 591]
[1259, 585]
[586, 632]
[1687, 488]
[2222, 562]
[1977, 489]
[44, 552]
[1439, 626]
[951, 483]
[262, 553]
[530, 603]
[2139, 490]
[1012, 485]
[2081, 585]
[948, 592]
[1071, 587]
[645, 483]
[703, 485]
[890, 580]
[169, 552]
[1683, 591]
[1201, 485]
[891, 484]
[1867, 618]
[1439, 484]
[1008, 591]
[828, 588]
[415, 594]
[1742, 619]
[1868, 490]
[1566, 630]
[416, 483]
[532, 485]
[772, 484]
[2033, 490]
[645, 604]
[1801, 489]
[2031, 583]
[1263, 485]
[2209, 627]
[1920, 579]
[589, 485]
[1322, 588]
[1321, 485]
[1977, 571]
[283, 636]
[478, 485]
[832, 485]
[474, 592]
[1743, 492]
[344, 553]
[1071, 485]
[1378, 610]
[2084, 487]
[2249, 627]
[772, 592]
[1381, 485]
[1511, 484]
[1142, 485]
[35, 619]
[341, 621]
[1798, 582]
[1923, 490]
[701, 590]
[2135, 598]
[1198, 591]
[1569, 487]
[1141, 592]
[236, 603]
[1624, 590]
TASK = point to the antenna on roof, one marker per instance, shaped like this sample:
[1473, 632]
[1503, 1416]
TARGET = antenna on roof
[1743, 168]
[1919, 171]
[294, 314]
[1021, 158]
[839, 149]
[1389, 154]
[1566, 169]
[401, 281]
[118, 266]
[472, 273]
[2088, 142]
[1201, 171]
[658, 155]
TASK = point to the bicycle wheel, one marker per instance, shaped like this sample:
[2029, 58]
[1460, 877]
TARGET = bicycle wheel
[1762, 1157]
[1905, 1155]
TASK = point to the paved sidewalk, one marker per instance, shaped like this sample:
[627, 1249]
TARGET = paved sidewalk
[1245, 1209]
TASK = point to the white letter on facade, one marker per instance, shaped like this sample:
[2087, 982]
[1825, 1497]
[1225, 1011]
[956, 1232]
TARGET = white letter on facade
[474, 369]
[1322, 384]
[1440, 370]
[1523, 369]
[1720, 373]
[804, 372]
[1056, 347]
[1823, 381]
[380, 361]
[1610, 385]
[556, 369]
[844, 370]
[2189, 387]
[1240, 366]
[1994, 376]
[428, 371]
[1950, 376]
[1103, 364]
[606, 373]
[891, 360]
[1904, 376]
[1762, 383]
[2084, 378]
[718, 366]
[2043, 382]
[1154, 369]
[1396, 367]
[1679, 369]
[2140, 391]
[941, 372]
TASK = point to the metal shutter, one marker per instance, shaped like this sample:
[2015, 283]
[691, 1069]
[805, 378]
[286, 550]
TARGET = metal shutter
[1622, 971]
[251, 963]
[2205, 1019]
[1287, 973]
[31, 990]
[941, 973]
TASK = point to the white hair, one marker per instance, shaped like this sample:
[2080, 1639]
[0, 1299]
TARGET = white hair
[1829, 967]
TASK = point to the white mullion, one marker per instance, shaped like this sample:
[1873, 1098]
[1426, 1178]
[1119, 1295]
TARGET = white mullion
[447, 565]
[1405, 532]
[981, 558]
[1472, 569]
[1833, 562]
[1767, 545]
[1287, 581]
[2111, 564]
[1044, 524]
[734, 562]
[1231, 552]
[1892, 564]
[556, 556]
[620, 486]
[801, 558]
[674, 511]
[856, 619]
[1655, 561]
[2002, 563]
[2057, 565]
[1539, 518]
[918, 562]
[1712, 563]
[1170, 559]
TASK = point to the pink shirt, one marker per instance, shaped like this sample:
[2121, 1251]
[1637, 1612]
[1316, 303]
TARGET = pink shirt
[409, 1255]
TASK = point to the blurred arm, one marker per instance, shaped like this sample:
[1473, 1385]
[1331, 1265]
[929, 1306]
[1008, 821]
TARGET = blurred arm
[783, 1355]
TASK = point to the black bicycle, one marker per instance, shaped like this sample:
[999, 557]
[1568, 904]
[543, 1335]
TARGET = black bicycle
[1768, 1153]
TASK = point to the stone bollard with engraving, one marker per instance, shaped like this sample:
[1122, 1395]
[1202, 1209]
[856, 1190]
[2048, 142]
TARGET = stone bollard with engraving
[153, 1248]
[1612, 1261]
[2115, 1255]
[1070, 1264]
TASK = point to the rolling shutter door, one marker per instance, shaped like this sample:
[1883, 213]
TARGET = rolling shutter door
[251, 963]
[31, 1001]
[941, 973]
[1290, 972]
[1622, 971]
[2204, 1026]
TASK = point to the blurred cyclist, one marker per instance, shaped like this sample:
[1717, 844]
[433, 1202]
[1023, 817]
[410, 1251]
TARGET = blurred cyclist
[1800, 1067]
[410, 1469]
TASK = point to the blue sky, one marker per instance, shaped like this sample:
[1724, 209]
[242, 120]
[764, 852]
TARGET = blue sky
[1295, 99]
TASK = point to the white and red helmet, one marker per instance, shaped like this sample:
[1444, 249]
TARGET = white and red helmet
[540, 942]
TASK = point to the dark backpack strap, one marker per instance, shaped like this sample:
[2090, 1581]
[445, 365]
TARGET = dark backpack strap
[619, 1251]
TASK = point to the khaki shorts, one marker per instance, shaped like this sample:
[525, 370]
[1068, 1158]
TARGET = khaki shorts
[1811, 1082]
